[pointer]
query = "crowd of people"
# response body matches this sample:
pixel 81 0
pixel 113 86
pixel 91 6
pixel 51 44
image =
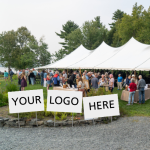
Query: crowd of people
pixel 131 83
pixel 95 81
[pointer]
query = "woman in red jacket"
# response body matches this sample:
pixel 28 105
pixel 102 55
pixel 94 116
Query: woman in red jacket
pixel 132 88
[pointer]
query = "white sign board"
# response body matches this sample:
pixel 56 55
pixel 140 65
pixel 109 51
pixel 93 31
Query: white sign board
pixel 101 106
pixel 26 101
pixel 64 101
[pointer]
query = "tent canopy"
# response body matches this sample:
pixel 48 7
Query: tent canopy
pixel 131 56
pixel 99 55
pixel 80 53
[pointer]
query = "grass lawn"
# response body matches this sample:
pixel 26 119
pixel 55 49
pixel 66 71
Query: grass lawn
pixel 132 110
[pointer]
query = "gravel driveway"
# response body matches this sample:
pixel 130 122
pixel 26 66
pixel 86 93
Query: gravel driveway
pixel 131 133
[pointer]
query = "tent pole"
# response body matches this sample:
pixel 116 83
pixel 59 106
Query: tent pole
pixel 80 71
pixel 135 74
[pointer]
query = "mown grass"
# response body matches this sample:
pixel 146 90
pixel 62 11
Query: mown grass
pixel 135 109
pixel 132 110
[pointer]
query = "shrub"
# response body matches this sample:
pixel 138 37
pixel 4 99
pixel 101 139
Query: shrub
pixel 3 99
pixel 11 86
pixel 100 91
pixel 1 96
pixel 57 118
pixel 74 114
pixel 42 114
pixel 63 116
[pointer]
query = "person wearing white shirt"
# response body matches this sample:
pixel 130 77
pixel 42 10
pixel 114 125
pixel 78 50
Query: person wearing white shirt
pixel 64 74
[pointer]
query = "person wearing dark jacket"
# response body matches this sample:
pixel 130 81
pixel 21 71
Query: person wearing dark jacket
pixel 72 78
pixel 42 77
pixel 128 80
pixel 29 76
pixel 32 76
pixel 56 79
pixel 141 86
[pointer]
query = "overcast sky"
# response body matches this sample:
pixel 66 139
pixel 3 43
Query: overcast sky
pixel 45 17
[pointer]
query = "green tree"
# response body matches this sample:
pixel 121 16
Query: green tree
pixel 94 33
pixel 130 25
pixel 143 34
pixel 117 15
pixel 58 55
pixel 26 56
pixel 44 54
pixel 67 29
pixel 8 45
pixel 74 40
pixel 90 35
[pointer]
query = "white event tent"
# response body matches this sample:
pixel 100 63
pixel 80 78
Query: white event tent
pixel 99 55
pixel 80 53
pixel 131 56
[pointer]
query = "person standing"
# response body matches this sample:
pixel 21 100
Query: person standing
pixel 32 77
pixel 89 78
pixel 48 80
pixel 86 76
pixel 81 86
pixel 135 78
pixel 51 74
pixel 83 77
pixel 99 76
pixel 11 74
pixel 42 77
pixel 111 83
pixel 85 72
pixel 128 80
pixel 23 81
pixel 102 80
pixel 29 76
pixel 95 82
pixel 132 88
pixel 6 75
pixel 56 79
pixel 18 74
pixel 64 74
pixel 35 73
pixel 45 75
pixel 141 86
pixel 119 82
pixel 72 78
pixel 61 79
pixel 26 74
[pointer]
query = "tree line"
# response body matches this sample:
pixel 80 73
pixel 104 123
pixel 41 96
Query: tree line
pixel 93 33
